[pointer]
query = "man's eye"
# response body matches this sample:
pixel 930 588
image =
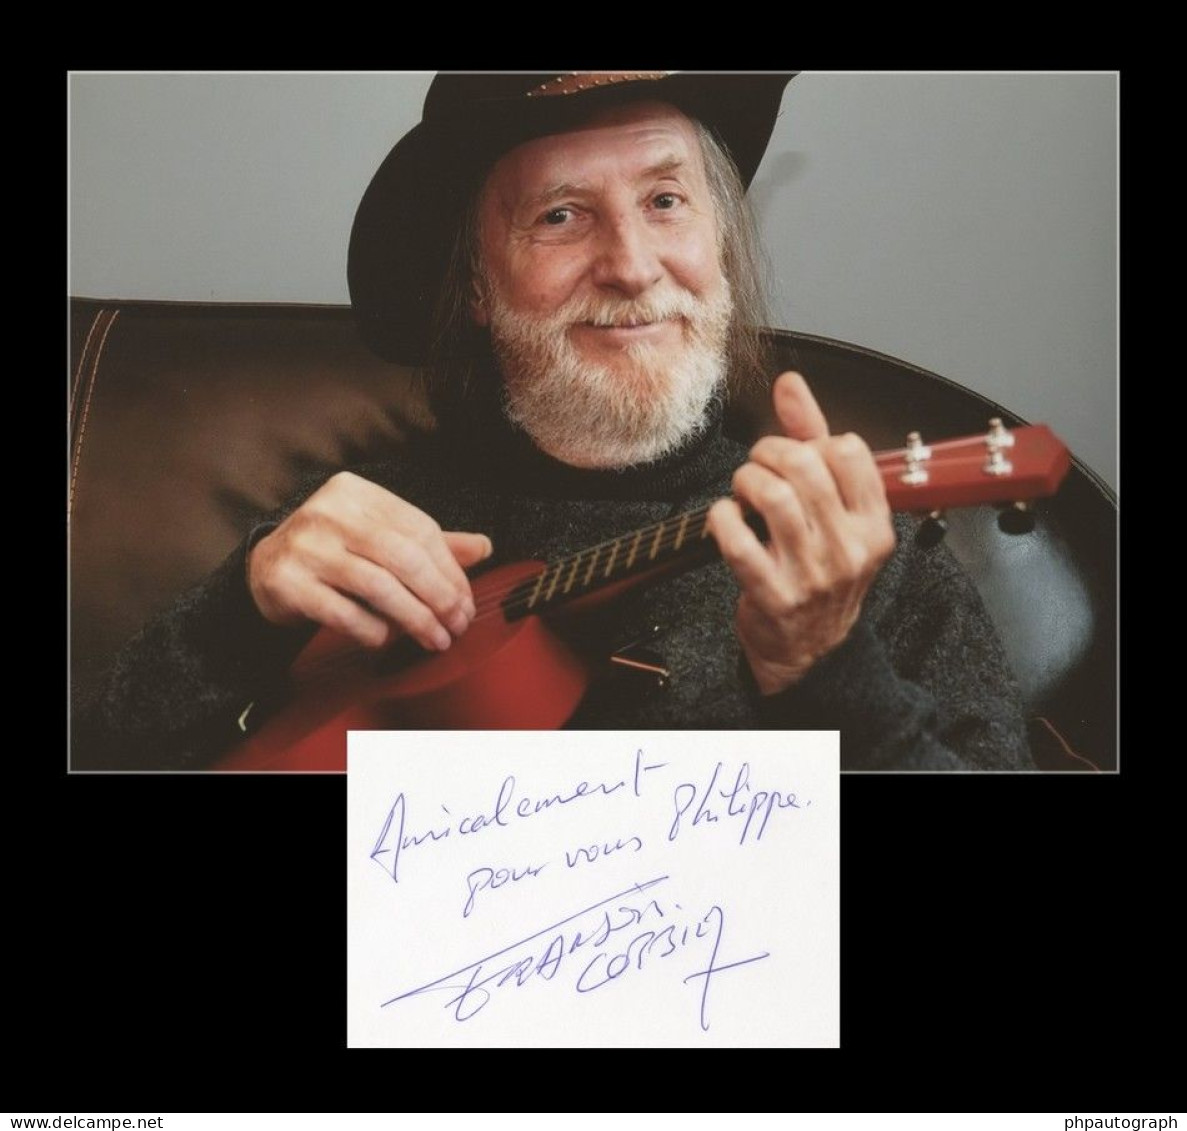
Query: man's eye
pixel 556 216
pixel 666 200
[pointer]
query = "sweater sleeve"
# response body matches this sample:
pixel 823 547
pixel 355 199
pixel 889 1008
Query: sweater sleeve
pixel 921 683
pixel 189 684
pixel 176 694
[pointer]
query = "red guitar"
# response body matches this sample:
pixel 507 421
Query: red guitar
pixel 479 682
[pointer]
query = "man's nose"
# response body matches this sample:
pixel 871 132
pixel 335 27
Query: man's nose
pixel 627 260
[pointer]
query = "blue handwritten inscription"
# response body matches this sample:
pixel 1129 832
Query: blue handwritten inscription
pixel 510 805
pixel 601 851
pixel 754 806
pixel 491 879
pixel 483 879
pixel 616 935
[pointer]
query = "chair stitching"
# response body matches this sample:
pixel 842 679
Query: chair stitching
pixel 1063 742
pixel 82 357
pixel 86 408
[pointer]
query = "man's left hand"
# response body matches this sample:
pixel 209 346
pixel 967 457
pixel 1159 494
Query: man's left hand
pixel 825 507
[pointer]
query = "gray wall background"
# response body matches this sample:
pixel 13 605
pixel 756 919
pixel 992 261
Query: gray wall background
pixel 963 222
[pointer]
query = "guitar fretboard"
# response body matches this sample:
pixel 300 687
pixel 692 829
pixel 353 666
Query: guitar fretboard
pixel 1000 466
pixel 681 538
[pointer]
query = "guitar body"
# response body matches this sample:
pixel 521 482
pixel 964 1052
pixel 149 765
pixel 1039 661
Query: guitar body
pixel 478 683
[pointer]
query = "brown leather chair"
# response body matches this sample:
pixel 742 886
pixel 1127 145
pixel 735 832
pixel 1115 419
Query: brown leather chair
pixel 187 420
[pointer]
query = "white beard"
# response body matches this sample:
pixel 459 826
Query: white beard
pixel 594 415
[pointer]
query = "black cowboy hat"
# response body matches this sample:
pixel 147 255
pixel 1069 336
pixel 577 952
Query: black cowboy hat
pixel 405 227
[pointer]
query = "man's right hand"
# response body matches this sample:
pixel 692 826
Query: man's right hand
pixel 363 562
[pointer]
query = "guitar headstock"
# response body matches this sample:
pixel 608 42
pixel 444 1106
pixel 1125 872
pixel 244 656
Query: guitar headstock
pixel 999 466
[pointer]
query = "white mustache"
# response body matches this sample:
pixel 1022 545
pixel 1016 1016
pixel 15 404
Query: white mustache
pixel 606 311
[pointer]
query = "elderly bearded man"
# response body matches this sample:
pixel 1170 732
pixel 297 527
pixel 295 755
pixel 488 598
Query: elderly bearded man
pixel 570 259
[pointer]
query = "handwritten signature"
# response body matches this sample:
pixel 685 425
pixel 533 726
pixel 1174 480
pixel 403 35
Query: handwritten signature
pixel 601 932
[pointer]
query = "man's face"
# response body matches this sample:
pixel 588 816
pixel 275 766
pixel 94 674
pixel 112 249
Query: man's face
pixel 602 286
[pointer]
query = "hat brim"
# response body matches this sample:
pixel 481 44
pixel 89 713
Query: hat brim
pixel 406 225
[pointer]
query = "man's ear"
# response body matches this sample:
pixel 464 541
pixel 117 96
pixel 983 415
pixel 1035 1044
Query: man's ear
pixel 478 307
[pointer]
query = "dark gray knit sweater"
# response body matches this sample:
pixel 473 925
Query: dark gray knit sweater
pixel 921 683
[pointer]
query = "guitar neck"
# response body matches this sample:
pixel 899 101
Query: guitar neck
pixel 998 467
pixel 679 541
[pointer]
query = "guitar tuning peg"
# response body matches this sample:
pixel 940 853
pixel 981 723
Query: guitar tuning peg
pixel 931 531
pixel 1017 518
pixel 997 440
pixel 998 436
pixel 915 455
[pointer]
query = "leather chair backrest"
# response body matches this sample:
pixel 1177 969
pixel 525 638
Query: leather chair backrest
pixel 189 420
pixel 1052 592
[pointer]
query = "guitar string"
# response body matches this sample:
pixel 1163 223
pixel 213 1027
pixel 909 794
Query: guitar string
pixel 692 532
pixel 496 602
pixel 975 444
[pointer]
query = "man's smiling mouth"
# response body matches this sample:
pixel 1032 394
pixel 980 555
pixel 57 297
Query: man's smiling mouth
pixel 627 325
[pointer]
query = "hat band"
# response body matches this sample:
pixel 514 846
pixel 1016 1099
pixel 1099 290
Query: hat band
pixel 572 83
